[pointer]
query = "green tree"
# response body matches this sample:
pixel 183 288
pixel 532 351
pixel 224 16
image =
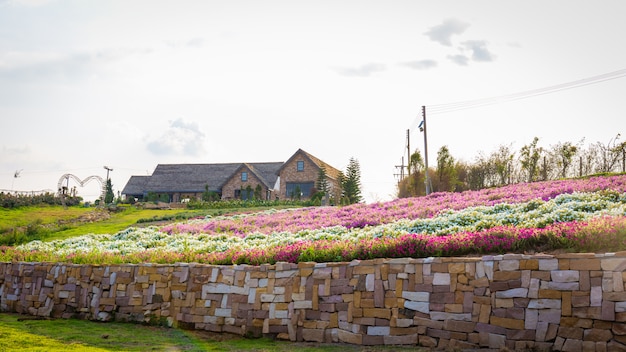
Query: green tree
pixel 529 159
pixel 446 171
pixel 108 194
pixel 209 196
pixel 257 192
pixel 564 154
pixel 322 181
pixel 249 192
pixel 351 183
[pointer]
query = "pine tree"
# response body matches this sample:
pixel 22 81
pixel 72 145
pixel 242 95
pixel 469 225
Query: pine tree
pixel 108 195
pixel 351 183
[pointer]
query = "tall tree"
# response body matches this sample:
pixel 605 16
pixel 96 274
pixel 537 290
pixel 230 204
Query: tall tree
pixel 564 153
pixel 529 159
pixel 108 195
pixel 445 170
pixel 351 183
pixel 322 181
pixel 502 162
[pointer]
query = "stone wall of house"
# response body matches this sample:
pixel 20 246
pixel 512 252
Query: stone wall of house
pixel 235 183
pixel 290 172
pixel 574 302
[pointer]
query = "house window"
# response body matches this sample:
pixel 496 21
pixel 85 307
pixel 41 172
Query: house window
pixel 244 194
pixel 244 176
pixel 300 166
pixel 303 188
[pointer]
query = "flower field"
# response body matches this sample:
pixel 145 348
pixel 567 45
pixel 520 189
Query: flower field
pixel 572 215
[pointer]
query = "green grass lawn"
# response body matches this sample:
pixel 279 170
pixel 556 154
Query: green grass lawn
pixel 56 222
pixel 23 333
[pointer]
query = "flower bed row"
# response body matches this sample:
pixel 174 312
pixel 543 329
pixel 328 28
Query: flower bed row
pixel 572 220
pixel 361 215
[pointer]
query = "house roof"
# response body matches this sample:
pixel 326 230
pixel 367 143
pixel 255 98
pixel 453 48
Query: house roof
pixel 330 171
pixel 194 177
pixel 266 172
pixel 135 185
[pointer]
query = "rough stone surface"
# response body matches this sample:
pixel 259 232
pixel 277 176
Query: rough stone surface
pixel 572 302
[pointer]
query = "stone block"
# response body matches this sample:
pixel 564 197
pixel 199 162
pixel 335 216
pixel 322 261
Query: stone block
pixel 548 264
pixel 613 264
pixel 459 326
pixel 507 323
pixel 349 337
pixel 401 340
pixel 512 293
pixel 433 324
pixel 565 275
pixel 441 279
pixel 559 286
pixel 496 341
pixel 549 316
pixel 596 296
pixel 427 341
pixel 423 307
pixel 378 330
pixel 313 335
pixel 554 294
pixel 570 333
pixel 416 296
pixel 544 303
pixel 571 345
pixel 597 335
pixel 452 316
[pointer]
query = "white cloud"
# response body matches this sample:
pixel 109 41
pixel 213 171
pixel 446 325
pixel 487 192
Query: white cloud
pixel 21 66
pixel 479 50
pixel 363 71
pixel 459 59
pixel 182 138
pixel 420 64
pixel 443 33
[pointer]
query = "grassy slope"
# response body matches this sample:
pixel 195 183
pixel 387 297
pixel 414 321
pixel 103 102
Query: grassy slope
pixel 61 223
pixel 20 333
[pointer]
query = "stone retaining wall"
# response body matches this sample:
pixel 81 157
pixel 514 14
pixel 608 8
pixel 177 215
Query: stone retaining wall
pixel 571 302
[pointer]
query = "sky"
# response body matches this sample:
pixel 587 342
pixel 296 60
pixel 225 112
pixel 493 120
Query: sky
pixel 128 85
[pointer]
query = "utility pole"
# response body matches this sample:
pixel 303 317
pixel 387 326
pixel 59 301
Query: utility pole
pixel 423 129
pixel 408 153
pixel 108 169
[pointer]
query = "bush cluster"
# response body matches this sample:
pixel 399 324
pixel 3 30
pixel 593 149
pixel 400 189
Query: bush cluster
pixel 8 200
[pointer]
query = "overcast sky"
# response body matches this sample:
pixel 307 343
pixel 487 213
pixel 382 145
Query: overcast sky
pixel 132 84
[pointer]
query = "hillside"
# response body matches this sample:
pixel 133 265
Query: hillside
pixel 571 215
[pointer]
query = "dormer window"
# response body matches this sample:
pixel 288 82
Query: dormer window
pixel 300 166
pixel 244 176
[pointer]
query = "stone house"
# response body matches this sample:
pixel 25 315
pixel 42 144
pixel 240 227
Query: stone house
pixel 300 174
pixel 269 180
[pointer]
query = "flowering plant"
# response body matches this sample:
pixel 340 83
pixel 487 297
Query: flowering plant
pixel 576 215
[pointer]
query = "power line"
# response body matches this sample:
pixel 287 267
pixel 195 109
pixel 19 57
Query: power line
pixel 438 109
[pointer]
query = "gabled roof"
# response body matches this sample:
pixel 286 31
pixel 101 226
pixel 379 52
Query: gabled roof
pixel 195 177
pixel 190 177
pixel 265 172
pixel 136 185
pixel 330 171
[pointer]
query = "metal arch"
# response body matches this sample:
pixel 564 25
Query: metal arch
pixel 81 182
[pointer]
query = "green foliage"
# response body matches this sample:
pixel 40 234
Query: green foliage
pixel 446 172
pixel 351 183
pixel 244 204
pixel 529 158
pixel 11 201
pixel 108 196
pixel 19 235
pixel 209 196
